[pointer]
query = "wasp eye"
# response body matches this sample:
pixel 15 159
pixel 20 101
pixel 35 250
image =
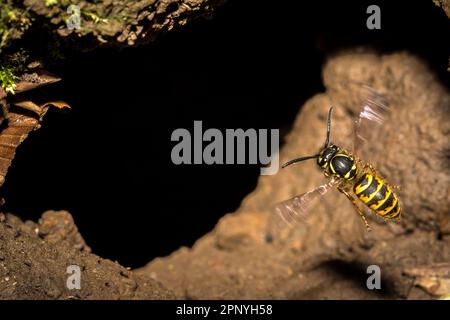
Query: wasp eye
pixel 326 155
pixel 320 161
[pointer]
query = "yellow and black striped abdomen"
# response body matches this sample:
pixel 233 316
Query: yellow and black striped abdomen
pixel 377 195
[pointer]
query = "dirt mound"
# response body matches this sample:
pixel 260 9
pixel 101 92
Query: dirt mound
pixel 34 261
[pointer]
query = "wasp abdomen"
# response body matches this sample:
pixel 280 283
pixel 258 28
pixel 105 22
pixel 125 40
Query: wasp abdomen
pixel 377 195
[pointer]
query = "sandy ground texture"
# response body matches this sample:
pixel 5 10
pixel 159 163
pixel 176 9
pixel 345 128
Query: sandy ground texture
pixel 245 256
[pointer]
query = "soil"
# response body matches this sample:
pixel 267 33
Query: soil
pixel 123 23
pixel 34 258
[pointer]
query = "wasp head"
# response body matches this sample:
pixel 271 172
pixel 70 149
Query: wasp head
pixel 326 155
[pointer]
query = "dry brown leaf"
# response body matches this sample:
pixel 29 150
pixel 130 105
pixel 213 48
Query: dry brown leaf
pixel 30 81
pixel 2 93
pixel 434 286
pixel 19 123
pixel 57 104
pixel 434 279
pixel 28 105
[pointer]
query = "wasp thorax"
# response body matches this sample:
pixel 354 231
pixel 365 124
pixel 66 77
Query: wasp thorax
pixel 326 155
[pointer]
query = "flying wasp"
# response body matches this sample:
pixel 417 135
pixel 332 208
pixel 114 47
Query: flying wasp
pixel 356 179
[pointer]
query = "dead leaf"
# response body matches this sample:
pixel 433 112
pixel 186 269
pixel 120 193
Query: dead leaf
pixel 57 104
pixel 2 93
pixel 434 286
pixel 434 279
pixel 30 81
pixel 28 105
pixel 19 123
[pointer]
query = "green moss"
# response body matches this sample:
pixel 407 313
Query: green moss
pixel 51 3
pixel 93 17
pixel 10 66
pixel 8 79
pixel 14 21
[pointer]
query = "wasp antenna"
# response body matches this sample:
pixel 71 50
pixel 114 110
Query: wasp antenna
pixel 298 160
pixel 327 141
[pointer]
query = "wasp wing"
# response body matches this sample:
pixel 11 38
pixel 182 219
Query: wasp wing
pixel 297 209
pixel 374 111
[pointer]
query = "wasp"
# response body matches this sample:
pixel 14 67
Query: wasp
pixel 367 190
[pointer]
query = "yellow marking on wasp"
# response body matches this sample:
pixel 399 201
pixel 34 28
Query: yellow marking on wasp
pixel 332 168
pixel 375 206
pixel 396 214
pixel 385 211
pixel 355 169
pixel 360 188
pixel 370 196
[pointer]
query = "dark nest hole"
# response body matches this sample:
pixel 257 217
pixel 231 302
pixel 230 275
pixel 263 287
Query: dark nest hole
pixel 336 274
pixel 107 161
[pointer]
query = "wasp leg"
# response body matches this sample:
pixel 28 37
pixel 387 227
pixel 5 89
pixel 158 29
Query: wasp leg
pixel 353 201
pixel 393 186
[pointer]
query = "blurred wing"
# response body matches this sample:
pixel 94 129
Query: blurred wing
pixel 297 209
pixel 373 113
